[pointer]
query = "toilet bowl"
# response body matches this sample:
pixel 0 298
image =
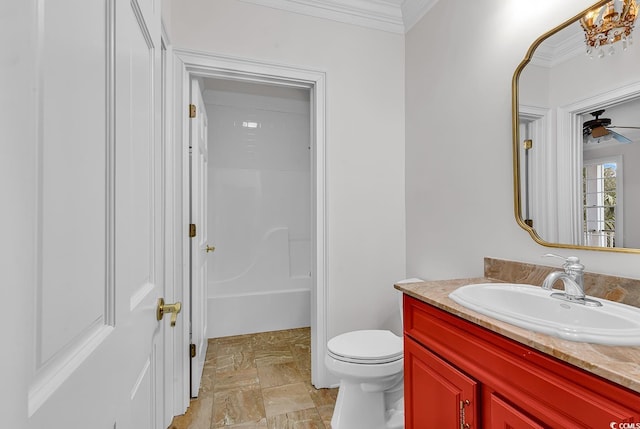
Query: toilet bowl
pixel 369 364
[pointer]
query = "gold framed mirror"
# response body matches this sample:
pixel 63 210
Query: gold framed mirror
pixel 576 132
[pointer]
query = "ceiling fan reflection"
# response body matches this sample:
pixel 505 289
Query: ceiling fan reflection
pixel 600 129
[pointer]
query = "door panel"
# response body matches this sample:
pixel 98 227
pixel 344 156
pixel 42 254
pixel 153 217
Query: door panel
pixel 97 358
pixel 73 223
pixel 199 254
pixel 72 212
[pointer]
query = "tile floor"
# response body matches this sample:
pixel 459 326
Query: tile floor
pixel 259 381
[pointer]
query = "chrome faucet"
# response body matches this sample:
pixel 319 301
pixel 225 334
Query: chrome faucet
pixel 573 279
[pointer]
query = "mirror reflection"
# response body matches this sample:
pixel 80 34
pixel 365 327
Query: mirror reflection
pixel 578 133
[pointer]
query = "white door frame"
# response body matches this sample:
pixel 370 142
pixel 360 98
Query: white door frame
pixel 190 63
pixel 569 129
pixel 542 187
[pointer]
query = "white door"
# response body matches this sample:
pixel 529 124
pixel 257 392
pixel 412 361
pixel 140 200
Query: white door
pixel 94 347
pixel 199 245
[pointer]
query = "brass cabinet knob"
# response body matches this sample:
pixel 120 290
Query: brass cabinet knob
pixel 174 309
pixel 210 248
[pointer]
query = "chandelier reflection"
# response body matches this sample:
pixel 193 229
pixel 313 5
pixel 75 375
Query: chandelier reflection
pixel 609 24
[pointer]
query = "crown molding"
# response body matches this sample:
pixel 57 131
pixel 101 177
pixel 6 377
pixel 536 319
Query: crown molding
pixel 414 10
pixel 395 16
pixel 561 47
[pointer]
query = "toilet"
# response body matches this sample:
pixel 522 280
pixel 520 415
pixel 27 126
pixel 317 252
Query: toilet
pixel 369 364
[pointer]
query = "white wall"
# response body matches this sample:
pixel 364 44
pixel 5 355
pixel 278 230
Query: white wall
pixel 365 138
pixel 534 86
pixel 259 199
pixel 459 184
pixel 581 76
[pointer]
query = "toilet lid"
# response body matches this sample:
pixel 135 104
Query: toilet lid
pixel 372 346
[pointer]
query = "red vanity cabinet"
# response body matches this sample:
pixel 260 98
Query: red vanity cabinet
pixel 461 375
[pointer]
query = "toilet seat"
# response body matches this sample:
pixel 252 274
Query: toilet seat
pixel 366 347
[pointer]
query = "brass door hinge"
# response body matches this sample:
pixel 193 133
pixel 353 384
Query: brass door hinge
pixel 192 110
pixel 192 230
pixel 192 350
pixel 527 144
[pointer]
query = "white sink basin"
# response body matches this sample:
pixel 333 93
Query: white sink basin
pixel 532 308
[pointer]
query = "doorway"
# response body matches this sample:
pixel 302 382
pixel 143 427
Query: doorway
pixel 191 65
pixel 259 207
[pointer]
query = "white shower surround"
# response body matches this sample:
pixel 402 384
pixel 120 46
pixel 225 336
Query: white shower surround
pixel 259 208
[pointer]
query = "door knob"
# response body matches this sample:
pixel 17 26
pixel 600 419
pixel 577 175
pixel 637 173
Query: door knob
pixel 174 309
pixel 210 248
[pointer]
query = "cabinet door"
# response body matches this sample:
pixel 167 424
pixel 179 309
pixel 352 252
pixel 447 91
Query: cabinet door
pixel 437 395
pixel 504 416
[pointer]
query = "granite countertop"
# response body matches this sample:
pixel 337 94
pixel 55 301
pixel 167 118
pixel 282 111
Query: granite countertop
pixel 619 364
